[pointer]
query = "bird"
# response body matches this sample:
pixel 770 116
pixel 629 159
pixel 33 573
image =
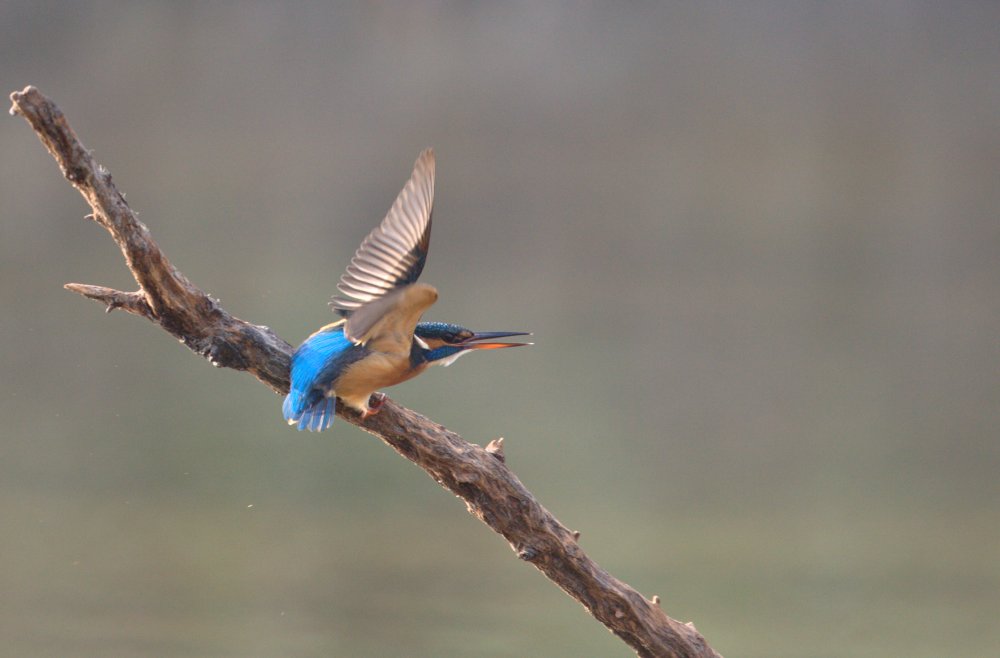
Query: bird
pixel 378 340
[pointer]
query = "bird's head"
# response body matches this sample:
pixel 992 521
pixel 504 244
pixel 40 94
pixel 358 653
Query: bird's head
pixel 443 343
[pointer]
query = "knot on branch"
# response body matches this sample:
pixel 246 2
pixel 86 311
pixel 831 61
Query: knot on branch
pixel 495 448
pixel 222 353
pixel 528 554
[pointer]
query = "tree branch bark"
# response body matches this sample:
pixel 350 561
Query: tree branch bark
pixel 478 475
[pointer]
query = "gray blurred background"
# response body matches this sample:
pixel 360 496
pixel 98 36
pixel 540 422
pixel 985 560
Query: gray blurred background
pixel 757 243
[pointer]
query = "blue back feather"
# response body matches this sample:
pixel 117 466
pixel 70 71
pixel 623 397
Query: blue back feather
pixel 315 365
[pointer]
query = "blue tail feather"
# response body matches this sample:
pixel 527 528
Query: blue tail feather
pixel 318 417
pixel 315 417
pixel 293 406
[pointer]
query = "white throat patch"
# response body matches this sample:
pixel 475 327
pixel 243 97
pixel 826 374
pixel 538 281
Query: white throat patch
pixel 448 360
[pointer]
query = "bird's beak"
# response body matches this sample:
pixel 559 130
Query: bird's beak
pixel 474 344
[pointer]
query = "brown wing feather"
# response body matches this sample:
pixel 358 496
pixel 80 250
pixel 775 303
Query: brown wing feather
pixel 393 255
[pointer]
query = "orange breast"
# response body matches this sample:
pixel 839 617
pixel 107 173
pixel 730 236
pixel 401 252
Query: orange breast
pixel 377 370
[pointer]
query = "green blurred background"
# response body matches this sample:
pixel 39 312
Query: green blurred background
pixel 758 244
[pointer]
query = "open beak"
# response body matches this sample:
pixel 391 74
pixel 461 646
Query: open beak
pixel 474 344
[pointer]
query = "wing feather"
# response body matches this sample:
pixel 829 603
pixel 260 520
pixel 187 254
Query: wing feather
pixel 387 323
pixel 392 255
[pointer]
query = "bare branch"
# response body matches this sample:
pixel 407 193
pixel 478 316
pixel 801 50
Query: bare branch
pixel 479 475
pixel 165 295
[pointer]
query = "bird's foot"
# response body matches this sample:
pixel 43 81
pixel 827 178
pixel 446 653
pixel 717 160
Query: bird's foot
pixel 375 405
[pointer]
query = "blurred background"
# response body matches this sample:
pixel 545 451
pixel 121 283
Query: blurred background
pixel 757 243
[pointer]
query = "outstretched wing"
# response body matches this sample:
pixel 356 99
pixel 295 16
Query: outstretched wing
pixel 393 255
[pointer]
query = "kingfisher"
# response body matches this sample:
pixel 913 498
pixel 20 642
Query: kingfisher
pixel 379 340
